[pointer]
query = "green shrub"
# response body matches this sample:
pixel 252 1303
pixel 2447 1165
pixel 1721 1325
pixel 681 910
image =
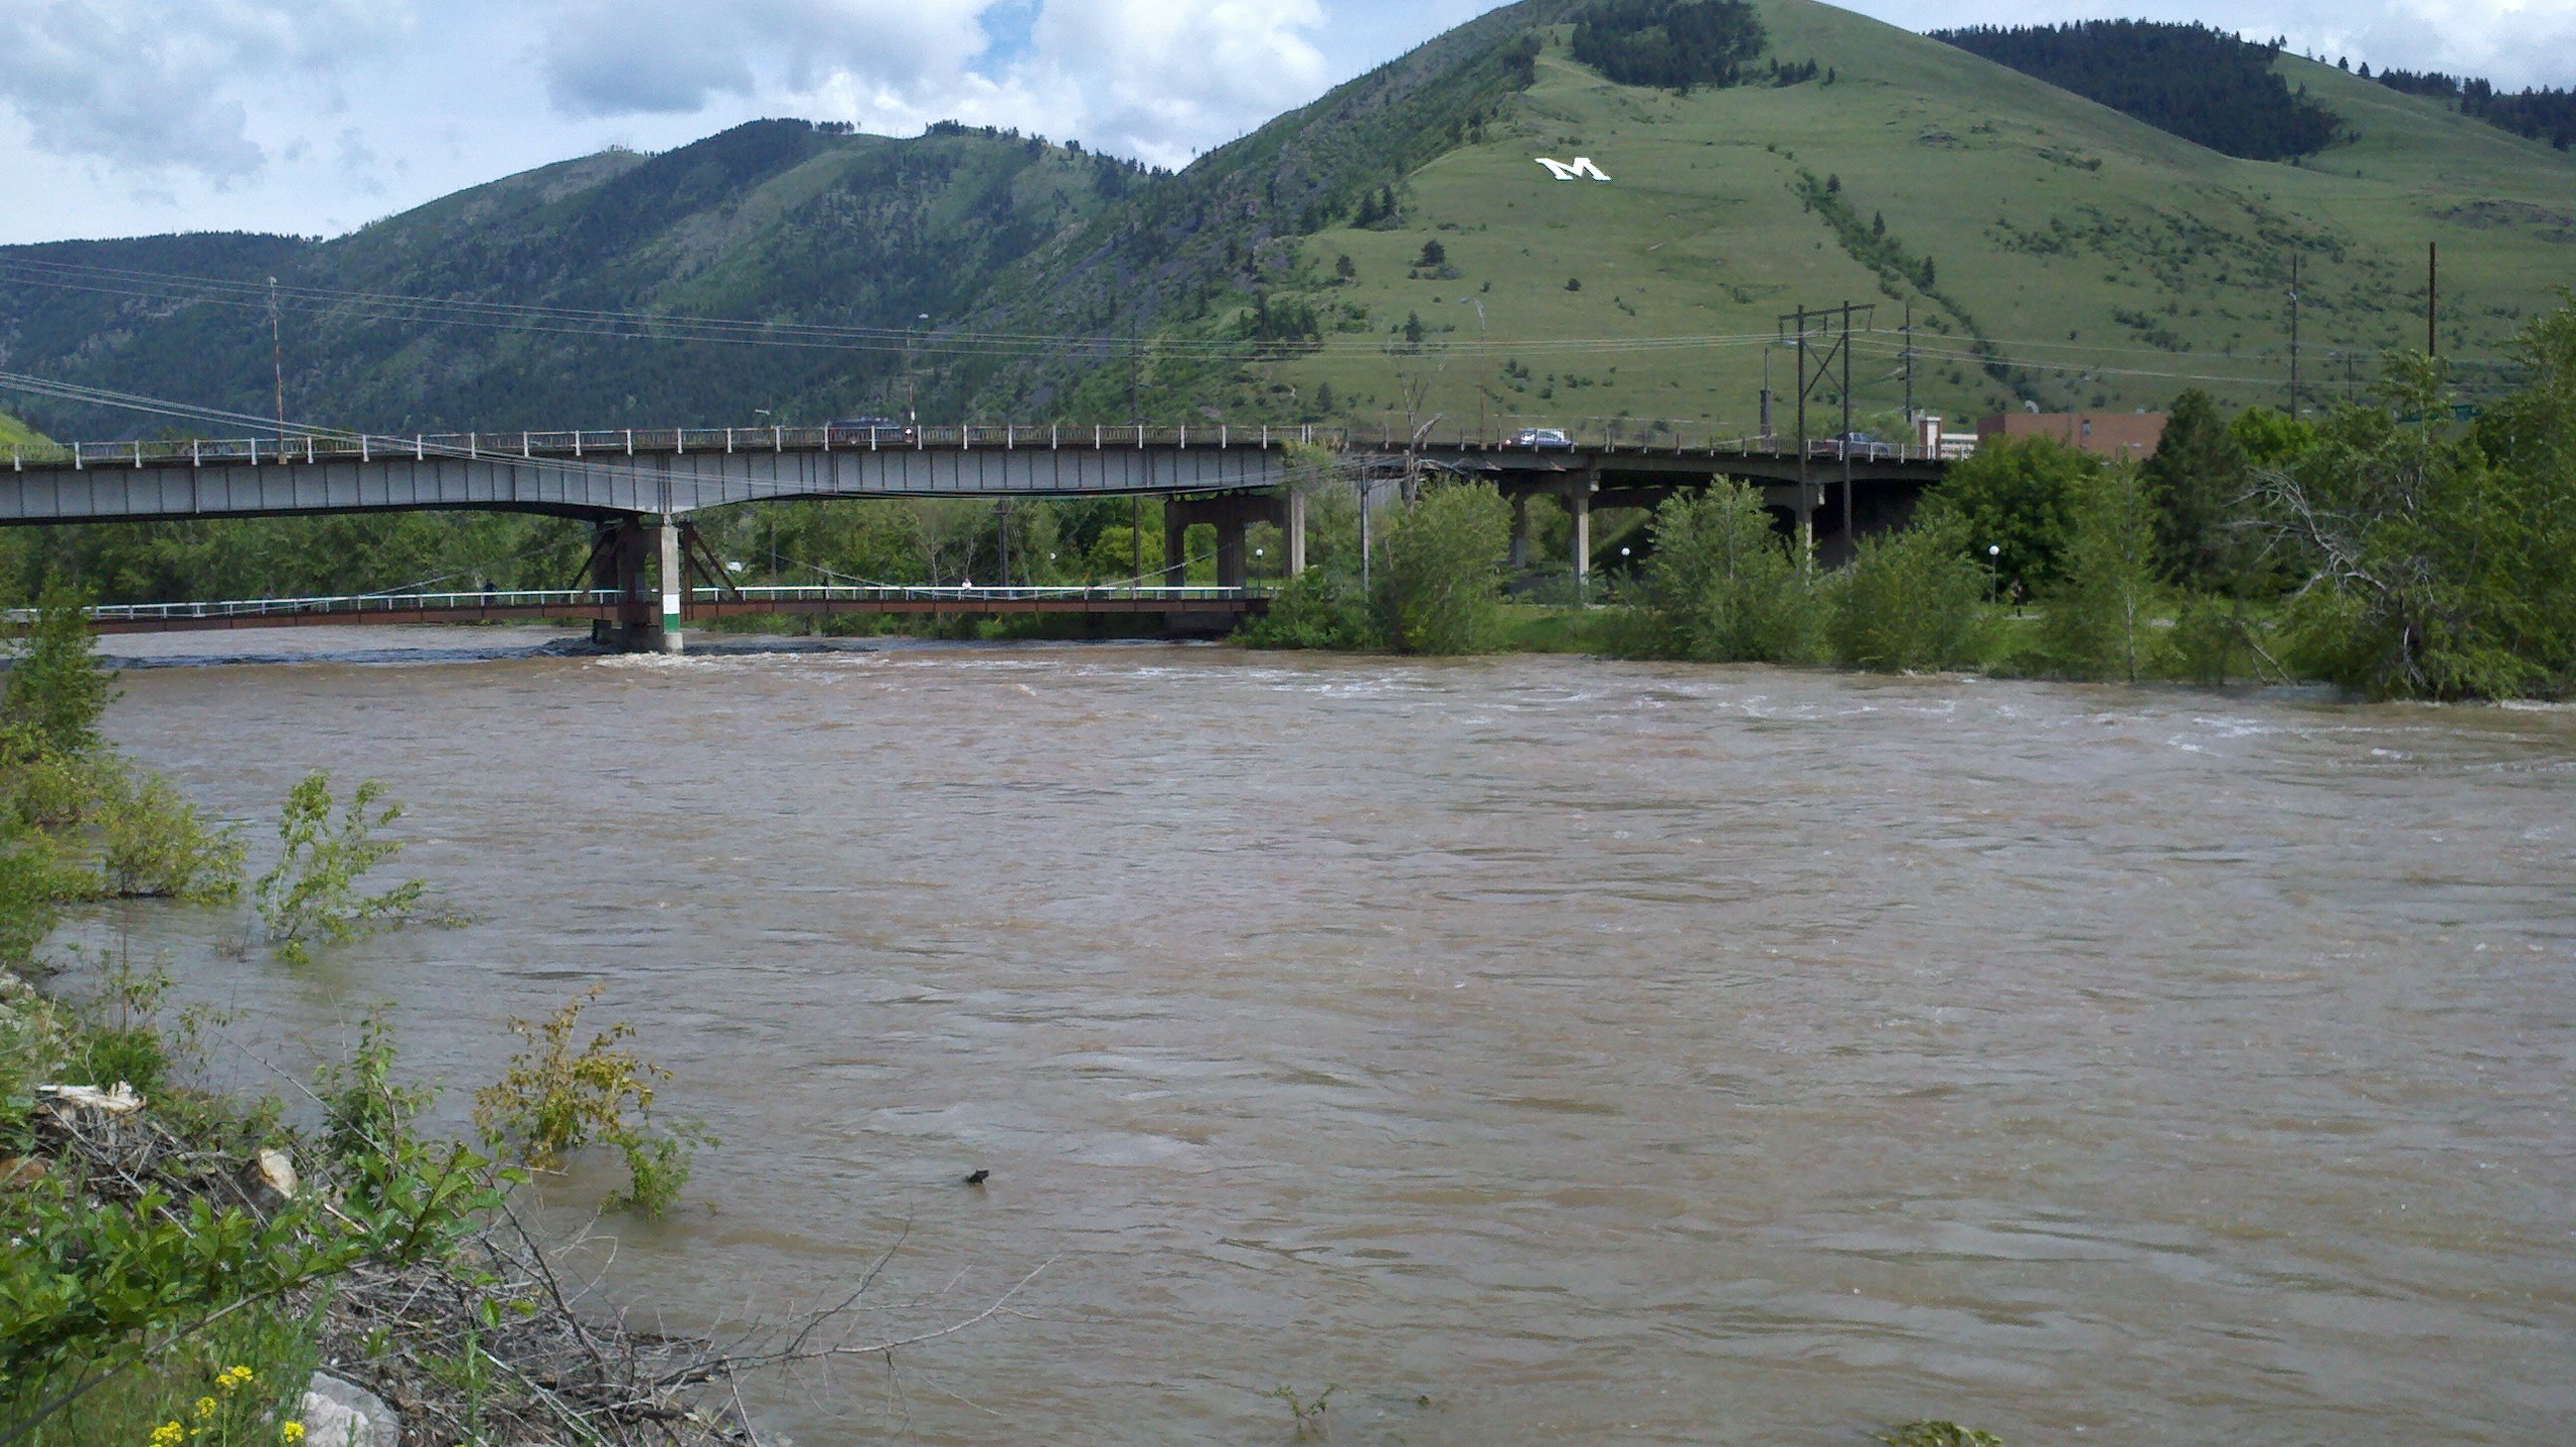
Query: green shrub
pixel 1720 585
pixel 313 891
pixel 1909 601
pixel 554 1100
pixel 154 844
pixel 56 690
pixel 1439 574
pixel 2094 622
pixel 1312 610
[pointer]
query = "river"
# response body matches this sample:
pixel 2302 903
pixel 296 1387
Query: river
pixel 1536 1049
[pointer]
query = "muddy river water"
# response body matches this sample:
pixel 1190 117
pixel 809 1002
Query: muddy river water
pixel 1535 1049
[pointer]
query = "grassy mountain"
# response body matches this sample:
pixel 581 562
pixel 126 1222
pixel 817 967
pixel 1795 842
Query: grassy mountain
pixel 2054 250
pixel 779 221
pixel 1332 264
pixel 12 430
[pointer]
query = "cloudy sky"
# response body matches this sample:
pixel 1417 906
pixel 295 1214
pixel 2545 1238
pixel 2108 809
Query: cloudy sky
pixel 124 117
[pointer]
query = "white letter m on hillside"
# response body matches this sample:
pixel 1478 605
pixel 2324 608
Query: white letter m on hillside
pixel 1582 166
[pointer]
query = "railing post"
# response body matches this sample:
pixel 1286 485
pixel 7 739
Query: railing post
pixel 728 441
pixel 364 452
pixel 576 442
pixel 524 450
pixel 76 457
pixel 630 442
pixel 196 456
pixel 138 452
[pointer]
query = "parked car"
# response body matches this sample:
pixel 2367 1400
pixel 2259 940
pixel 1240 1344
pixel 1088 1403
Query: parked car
pixel 862 430
pixel 1541 437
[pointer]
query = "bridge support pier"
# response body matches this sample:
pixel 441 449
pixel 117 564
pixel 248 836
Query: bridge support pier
pixel 629 563
pixel 1296 531
pixel 1520 531
pixel 675 581
pixel 1578 506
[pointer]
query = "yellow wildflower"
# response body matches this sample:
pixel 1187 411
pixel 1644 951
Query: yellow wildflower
pixel 234 1378
pixel 290 1432
pixel 205 1408
pixel 168 1434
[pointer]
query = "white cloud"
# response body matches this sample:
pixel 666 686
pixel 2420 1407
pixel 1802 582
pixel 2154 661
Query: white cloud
pixel 624 57
pixel 149 86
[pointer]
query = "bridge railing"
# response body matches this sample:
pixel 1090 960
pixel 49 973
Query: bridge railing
pixel 974 593
pixel 356 604
pixel 558 446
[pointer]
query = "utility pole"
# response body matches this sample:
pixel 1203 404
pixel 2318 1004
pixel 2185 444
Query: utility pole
pixel 1806 501
pixel 1135 377
pixel 1850 537
pixel 2294 335
pixel 277 361
pixel 1909 364
pixel 2432 298
pixel 1809 377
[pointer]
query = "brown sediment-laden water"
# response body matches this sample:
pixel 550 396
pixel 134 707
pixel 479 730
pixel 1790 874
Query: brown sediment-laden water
pixel 1535 1049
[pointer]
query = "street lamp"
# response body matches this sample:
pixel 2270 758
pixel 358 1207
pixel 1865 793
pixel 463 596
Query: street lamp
pixel 1994 571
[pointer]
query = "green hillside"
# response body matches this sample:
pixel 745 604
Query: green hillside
pixel 776 221
pixel 2109 264
pixel 2055 252
pixel 14 431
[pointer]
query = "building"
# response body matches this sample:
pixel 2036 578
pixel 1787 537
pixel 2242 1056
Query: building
pixel 2132 435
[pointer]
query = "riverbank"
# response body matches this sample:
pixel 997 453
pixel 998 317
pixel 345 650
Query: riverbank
pixel 188 1266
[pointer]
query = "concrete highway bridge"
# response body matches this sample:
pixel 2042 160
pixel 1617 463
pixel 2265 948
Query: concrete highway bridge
pixel 639 489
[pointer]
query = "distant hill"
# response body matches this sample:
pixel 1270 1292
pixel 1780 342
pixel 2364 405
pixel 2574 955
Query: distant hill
pixel 529 301
pixel 2541 113
pixel 12 430
pixel 1393 249
pixel 2214 89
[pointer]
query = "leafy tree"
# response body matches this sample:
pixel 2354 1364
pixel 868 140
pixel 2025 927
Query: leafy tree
pixel 313 891
pixel 2198 481
pixel 1433 254
pixel 2015 494
pixel 1439 578
pixel 2436 563
pixel 2096 619
pixel 56 690
pixel 1720 585
pixel 1909 601
pixel 2271 439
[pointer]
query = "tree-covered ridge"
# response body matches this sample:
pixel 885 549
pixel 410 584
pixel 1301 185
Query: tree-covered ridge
pixel 1674 44
pixel 2542 114
pixel 2206 86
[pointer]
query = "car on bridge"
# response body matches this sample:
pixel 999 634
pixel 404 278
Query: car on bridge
pixel 1860 445
pixel 1541 437
pixel 869 430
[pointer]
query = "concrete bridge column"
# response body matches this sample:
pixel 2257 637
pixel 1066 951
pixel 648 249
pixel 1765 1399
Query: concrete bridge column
pixel 617 566
pixel 1296 531
pixel 1233 562
pixel 1578 505
pixel 1520 531
pixel 675 582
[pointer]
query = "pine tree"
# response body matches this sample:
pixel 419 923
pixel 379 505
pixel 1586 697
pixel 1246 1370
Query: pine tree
pixel 2195 482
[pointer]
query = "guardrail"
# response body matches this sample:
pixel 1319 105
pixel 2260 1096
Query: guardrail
pixel 316 448
pixel 1610 437
pixel 361 605
pixel 354 604
pixel 904 593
